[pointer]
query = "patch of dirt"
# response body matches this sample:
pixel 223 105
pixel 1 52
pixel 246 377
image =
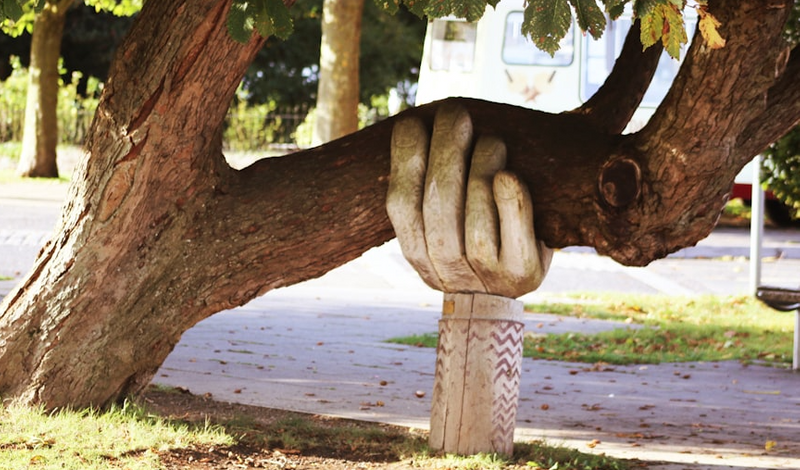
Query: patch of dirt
pixel 261 445
pixel 269 438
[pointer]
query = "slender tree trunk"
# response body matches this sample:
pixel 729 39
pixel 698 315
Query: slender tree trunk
pixel 338 90
pixel 159 233
pixel 40 132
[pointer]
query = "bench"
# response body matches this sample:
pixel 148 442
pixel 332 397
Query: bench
pixel 784 300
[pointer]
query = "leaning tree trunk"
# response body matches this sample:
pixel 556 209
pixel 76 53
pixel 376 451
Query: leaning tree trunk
pixel 338 90
pixel 159 233
pixel 40 131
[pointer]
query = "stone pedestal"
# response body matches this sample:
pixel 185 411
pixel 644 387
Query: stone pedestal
pixel 478 365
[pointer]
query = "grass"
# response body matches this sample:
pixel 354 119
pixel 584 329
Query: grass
pixel 130 437
pixel 670 329
pixel 535 455
pixel 9 175
pixel 737 208
pixel 9 158
pixel 124 437
pixel 10 150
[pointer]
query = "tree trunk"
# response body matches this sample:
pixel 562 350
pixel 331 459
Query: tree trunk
pixel 40 132
pixel 338 90
pixel 160 233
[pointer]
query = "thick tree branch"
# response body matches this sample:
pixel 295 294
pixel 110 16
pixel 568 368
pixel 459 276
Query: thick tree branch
pixel 349 199
pixel 613 105
pixel 781 114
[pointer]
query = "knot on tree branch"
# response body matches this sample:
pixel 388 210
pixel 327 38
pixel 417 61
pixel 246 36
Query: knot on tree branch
pixel 620 182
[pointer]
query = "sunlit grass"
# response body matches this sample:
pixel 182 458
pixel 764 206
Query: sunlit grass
pixel 9 158
pixel 123 437
pixel 737 208
pixel 662 329
pixel 9 175
pixel 10 150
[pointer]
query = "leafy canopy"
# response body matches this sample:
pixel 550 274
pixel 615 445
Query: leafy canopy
pixel 17 16
pixel 546 22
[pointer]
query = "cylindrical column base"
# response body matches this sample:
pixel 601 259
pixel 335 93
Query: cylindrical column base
pixel 478 365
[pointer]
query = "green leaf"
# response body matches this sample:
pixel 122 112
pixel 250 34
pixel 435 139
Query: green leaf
pixel 675 36
pixel 267 17
pixel 471 10
pixel 12 10
pixel 590 18
pixel 651 27
pixel 272 18
pixel 282 19
pixel 240 24
pixel 615 8
pixel 664 23
pixel 116 7
pixel 546 22
pixel 417 7
pixel 391 6
pixel 642 8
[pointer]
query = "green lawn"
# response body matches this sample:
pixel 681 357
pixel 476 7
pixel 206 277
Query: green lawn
pixel 662 329
pixel 121 438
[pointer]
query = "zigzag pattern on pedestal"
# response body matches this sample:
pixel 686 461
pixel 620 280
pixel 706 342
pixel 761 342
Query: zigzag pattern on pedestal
pixel 506 346
pixel 444 351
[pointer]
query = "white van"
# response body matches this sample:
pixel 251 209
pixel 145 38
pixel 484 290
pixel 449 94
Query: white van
pixel 492 60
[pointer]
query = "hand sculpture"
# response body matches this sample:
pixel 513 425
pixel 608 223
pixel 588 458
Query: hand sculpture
pixel 462 234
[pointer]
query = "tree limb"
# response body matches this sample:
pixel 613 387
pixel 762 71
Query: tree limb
pixel 613 105
pixel 781 113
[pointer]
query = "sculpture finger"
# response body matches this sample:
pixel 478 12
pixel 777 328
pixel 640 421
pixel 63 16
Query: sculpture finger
pixel 444 199
pixel 409 151
pixel 482 226
pixel 524 260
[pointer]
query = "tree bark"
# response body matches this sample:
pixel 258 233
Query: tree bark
pixel 159 233
pixel 338 89
pixel 40 131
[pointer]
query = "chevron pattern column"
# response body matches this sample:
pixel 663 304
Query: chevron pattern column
pixel 478 364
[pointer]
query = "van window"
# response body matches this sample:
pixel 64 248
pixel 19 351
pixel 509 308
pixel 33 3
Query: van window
pixel 453 45
pixel 600 55
pixel 518 49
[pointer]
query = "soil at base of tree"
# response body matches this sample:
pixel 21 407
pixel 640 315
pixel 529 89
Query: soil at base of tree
pixel 258 448
pixel 260 445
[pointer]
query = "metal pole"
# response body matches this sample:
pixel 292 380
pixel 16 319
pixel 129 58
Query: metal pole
pixel 796 347
pixel 756 226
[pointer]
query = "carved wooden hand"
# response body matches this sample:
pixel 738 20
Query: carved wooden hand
pixel 462 233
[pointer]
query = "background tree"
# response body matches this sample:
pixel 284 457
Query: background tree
pixel 338 89
pixel 287 71
pixel 781 167
pixel 159 232
pixel 40 133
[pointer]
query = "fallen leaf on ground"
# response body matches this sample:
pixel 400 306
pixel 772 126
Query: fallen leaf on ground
pixel 769 445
